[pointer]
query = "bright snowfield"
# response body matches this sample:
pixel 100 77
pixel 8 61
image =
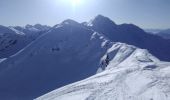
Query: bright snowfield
pixel 132 74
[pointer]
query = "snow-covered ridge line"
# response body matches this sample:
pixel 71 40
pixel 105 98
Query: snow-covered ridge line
pixel 70 52
pixel 140 76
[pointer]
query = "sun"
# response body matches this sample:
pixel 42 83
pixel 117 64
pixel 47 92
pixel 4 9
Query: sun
pixel 76 2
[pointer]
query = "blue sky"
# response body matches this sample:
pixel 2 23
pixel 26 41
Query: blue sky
pixel 144 13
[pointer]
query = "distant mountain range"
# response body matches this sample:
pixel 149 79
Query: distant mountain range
pixel 125 33
pixel 163 33
pixel 13 39
pixel 38 59
pixel 153 31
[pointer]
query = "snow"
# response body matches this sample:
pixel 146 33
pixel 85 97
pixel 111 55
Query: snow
pixel 71 96
pixel 80 62
pixel 132 35
pixel 125 78
pixel 1 60
pixel 4 29
pixel 61 56
pixel 16 31
pixel 118 84
pixel 13 39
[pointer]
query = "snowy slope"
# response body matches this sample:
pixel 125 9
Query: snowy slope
pixel 71 52
pixel 67 53
pixel 13 39
pixel 132 74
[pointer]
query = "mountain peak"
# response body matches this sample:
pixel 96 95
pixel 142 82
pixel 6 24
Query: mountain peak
pixel 69 22
pixel 102 19
pixel 28 26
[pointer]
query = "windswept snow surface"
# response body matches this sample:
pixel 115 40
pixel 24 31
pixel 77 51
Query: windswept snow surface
pixel 133 74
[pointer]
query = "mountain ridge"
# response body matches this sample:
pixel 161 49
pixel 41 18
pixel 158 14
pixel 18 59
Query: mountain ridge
pixel 15 38
pixel 133 35
pixel 70 52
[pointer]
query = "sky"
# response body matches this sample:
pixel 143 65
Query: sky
pixel 146 14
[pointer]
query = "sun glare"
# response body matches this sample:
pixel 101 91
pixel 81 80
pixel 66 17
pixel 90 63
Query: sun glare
pixel 75 2
pixel 72 5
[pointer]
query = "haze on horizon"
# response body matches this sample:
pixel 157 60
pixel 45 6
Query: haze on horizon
pixel 144 13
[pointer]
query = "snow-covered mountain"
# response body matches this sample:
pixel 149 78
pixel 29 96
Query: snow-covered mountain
pixel 33 30
pixel 13 39
pixel 67 53
pixel 70 52
pixel 132 74
pixel 131 34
